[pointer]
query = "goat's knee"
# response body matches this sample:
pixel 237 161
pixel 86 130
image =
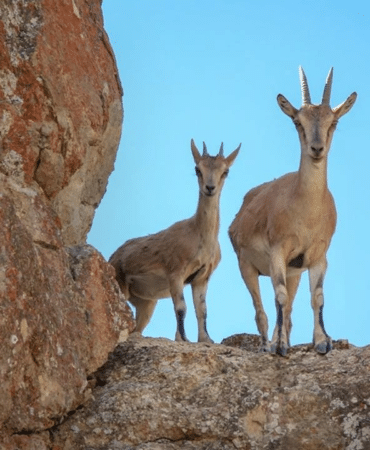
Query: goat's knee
pixel 180 312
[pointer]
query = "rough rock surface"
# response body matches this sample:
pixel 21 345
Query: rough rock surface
pixel 61 114
pixel 61 312
pixel 161 395
pixel 61 316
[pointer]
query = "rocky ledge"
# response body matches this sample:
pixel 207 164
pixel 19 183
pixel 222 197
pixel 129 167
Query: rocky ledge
pixel 162 395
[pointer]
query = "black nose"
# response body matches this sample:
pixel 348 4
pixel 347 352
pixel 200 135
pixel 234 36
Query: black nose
pixel 210 189
pixel 317 150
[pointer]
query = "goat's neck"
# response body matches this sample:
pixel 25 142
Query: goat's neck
pixel 312 179
pixel 207 216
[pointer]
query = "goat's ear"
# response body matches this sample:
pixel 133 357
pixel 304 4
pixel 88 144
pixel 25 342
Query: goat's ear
pixel 195 152
pixel 231 158
pixel 344 107
pixel 286 106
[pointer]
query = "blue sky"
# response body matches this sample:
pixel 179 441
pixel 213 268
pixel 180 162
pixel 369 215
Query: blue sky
pixel 211 71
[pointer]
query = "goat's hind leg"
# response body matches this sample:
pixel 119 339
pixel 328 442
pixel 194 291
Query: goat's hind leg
pixel 250 276
pixel 199 299
pixel 144 311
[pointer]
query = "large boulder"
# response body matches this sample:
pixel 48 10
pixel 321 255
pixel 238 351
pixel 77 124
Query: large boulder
pixel 61 311
pixel 61 104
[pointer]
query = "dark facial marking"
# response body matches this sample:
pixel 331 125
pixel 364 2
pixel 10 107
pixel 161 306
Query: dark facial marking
pixel 297 262
pixel 316 133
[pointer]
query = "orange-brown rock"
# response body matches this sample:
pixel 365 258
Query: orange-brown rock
pixel 61 104
pixel 61 312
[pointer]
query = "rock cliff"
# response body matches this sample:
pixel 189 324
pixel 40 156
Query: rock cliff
pixel 60 124
pixel 61 105
pixel 70 378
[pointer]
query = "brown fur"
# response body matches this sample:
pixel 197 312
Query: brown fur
pixel 157 266
pixel 289 222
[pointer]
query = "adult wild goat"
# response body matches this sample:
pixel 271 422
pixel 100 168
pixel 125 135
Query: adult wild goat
pixel 159 265
pixel 285 226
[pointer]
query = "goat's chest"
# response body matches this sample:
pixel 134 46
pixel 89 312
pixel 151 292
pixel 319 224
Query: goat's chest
pixel 309 241
pixel 302 233
pixel 204 262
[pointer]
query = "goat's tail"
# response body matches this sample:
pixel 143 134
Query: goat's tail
pixel 121 279
pixel 120 275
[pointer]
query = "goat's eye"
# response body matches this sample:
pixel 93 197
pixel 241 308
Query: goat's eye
pixel 198 172
pixel 332 127
pixel 297 123
pixel 225 174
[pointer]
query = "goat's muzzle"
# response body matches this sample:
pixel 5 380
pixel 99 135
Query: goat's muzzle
pixel 210 190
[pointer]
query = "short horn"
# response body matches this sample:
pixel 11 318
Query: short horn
pixel 205 152
pixel 221 152
pixel 306 98
pixel 327 89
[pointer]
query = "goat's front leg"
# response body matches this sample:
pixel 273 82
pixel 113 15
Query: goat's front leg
pixel 250 277
pixel 321 340
pixel 292 284
pixel 199 291
pixel 179 304
pixel 280 338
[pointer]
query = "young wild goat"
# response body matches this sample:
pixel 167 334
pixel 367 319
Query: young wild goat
pixel 159 265
pixel 285 226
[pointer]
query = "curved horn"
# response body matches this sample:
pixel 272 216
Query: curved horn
pixel 327 88
pixel 221 151
pixel 205 152
pixel 306 98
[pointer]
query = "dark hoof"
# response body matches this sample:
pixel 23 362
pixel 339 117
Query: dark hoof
pixel 324 347
pixel 281 350
pixel 265 348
